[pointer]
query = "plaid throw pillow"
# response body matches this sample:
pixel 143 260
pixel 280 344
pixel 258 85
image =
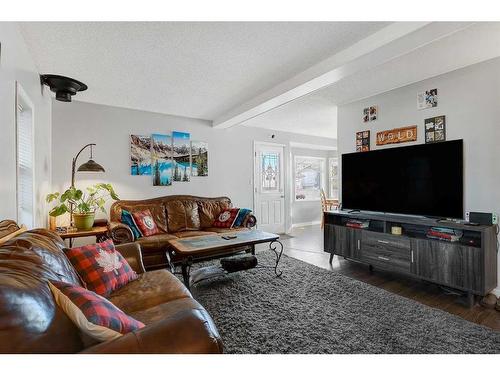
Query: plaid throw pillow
pixel 91 313
pixel 101 267
pixel 145 222
pixel 226 218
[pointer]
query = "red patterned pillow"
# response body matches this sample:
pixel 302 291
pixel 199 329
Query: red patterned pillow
pixel 101 267
pixel 145 222
pixel 91 313
pixel 226 218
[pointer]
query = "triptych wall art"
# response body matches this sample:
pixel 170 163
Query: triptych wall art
pixel 168 157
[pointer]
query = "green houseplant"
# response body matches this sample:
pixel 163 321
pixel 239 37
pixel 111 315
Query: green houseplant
pixel 83 205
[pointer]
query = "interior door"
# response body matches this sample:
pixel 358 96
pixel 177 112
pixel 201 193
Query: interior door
pixel 269 198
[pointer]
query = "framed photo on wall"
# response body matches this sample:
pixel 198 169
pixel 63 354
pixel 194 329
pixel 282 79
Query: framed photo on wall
pixel 363 141
pixel 435 129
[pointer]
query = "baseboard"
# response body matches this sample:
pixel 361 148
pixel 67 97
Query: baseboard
pixel 308 223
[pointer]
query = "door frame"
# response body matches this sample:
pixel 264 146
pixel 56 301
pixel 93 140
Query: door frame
pixel 286 193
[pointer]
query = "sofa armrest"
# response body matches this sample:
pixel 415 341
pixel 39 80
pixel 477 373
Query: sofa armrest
pixel 132 253
pixel 250 221
pixel 189 331
pixel 120 233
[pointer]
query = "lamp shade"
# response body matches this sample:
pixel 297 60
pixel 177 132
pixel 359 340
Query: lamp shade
pixel 90 166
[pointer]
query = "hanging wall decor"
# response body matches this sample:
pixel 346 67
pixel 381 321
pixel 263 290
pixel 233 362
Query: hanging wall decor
pixel 363 141
pixel 399 135
pixel 370 113
pixel 140 155
pixel 199 158
pixel 435 129
pixel 182 156
pixel 427 99
pixel 161 159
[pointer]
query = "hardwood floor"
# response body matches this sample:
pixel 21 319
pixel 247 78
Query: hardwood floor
pixel 306 244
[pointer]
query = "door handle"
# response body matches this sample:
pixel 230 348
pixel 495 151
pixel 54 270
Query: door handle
pixel 359 244
pixel 384 242
pixel 383 258
pixel 282 196
pixel 412 256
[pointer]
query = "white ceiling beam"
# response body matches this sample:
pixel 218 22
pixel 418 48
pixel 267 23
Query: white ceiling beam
pixel 387 44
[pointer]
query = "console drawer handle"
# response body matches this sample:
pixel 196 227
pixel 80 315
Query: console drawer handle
pixel 385 242
pixel 383 258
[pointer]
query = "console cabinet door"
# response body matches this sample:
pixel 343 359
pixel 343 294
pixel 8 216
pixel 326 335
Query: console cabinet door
pixel 347 241
pixel 451 264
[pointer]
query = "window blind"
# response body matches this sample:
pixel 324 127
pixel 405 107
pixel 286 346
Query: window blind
pixel 25 165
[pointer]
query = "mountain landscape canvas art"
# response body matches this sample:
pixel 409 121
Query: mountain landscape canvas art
pixel 161 159
pixel 140 155
pixel 199 159
pixel 181 156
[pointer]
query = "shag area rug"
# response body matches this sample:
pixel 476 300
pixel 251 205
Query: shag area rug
pixel 312 310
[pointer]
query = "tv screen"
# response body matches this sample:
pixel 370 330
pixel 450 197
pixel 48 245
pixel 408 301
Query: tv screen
pixel 415 180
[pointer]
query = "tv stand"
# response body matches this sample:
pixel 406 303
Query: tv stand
pixel 469 266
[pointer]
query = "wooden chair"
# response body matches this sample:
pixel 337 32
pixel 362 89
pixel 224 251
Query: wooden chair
pixel 327 205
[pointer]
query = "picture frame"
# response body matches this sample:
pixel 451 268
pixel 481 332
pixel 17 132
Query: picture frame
pixel 363 141
pixel 435 129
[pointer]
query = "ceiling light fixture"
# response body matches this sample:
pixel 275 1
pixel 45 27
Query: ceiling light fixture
pixel 64 87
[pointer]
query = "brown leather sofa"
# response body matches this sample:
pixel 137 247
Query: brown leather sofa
pixel 31 322
pixel 176 216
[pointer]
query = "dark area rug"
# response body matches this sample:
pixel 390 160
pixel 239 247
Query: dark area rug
pixel 312 310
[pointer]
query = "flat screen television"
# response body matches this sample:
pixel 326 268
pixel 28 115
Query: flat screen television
pixel 424 180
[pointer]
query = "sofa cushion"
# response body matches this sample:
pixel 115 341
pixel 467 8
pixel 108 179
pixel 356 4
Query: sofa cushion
pixel 27 262
pixel 194 233
pixel 157 210
pixel 226 218
pixel 144 220
pixel 155 243
pixel 128 220
pixel 150 289
pixel 182 215
pixel 159 312
pixel 209 210
pixel 101 267
pixel 92 314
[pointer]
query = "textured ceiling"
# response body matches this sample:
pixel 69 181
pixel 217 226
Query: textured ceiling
pixel 190 69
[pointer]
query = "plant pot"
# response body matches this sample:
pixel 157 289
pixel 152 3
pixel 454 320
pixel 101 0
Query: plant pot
pixel 84 221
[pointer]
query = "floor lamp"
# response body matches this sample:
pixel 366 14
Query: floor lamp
pixel 89 166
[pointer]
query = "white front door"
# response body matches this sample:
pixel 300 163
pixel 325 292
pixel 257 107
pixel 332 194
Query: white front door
pixel 269 201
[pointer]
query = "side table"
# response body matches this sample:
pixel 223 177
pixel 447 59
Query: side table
pixel 100 234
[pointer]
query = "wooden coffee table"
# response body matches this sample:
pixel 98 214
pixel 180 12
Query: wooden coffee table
pixel 190 250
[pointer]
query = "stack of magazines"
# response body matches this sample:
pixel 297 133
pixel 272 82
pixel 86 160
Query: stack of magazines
pixel 444 234
pixel 361 224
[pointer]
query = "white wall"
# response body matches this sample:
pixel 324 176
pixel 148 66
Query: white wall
pixel 16 64
pixel 230 150
pixel 304 212
pixel 470 100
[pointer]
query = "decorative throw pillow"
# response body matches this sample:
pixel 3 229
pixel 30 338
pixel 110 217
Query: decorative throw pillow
pixel 128 220
pixel 91 313
pixel 242 214
pixel 145 222
pixel 226 218
pixel 101 267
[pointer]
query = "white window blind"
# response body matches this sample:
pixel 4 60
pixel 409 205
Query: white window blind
pixel 25 207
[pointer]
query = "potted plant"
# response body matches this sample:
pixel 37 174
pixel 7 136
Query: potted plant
pixel 84 205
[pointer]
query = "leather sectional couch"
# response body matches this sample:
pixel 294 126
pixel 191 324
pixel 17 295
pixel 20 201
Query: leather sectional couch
pixel 31 322
pixel 176 216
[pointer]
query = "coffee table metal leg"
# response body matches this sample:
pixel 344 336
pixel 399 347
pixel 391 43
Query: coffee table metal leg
pixel 186 268
pixel 273 246
pixel 169 260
